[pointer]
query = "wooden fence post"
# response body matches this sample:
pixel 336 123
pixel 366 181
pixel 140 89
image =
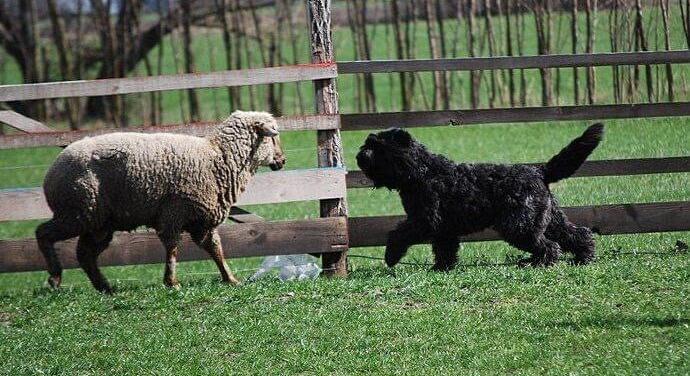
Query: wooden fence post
pixel 329 148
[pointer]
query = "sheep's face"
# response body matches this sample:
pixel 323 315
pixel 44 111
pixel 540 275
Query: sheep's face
pixel 269 152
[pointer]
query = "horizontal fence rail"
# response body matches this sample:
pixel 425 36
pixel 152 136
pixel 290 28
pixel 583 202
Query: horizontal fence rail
pixel 115 86
pixel 364 121
pixel 286 123
pixel 613 167
pixel 330 234
pixel 270 187
pixel 320 235
pixel 603 219
pixel 515 62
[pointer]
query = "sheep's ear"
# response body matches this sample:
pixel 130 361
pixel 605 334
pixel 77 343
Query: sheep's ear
pixel 265 130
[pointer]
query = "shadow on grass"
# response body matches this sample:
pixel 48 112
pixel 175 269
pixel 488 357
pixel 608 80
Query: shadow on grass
pixel 620 322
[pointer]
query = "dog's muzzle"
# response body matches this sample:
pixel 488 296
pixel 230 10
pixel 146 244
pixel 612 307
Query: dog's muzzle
pixel 364 158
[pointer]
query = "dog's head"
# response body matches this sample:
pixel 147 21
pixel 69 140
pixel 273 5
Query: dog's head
pixel 389 158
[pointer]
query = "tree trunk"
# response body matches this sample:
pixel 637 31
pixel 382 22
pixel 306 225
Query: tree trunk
pixel 330 148
pixel 360 12
pixel 574 31
pixel 293 43
pixel 590 10
pixel 440 100
pixel 221 10
pixel 542 25
pixel 475 78
pixel 508 12
pixel 111 104
pixel 29 49
pixel 667 45
pixel 642 39
pixel 614 32
pixel 71 104
pixel 189 57
pixel 400 54
pixel 492 49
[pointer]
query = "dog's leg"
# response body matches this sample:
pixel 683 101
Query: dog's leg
pixel 544 252
pixel 445 253
pixel 572 238
pixel 399 241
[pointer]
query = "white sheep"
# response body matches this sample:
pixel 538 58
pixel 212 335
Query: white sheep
pixel 169 182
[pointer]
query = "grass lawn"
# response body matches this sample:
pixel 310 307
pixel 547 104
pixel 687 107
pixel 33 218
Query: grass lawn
pixel 627 313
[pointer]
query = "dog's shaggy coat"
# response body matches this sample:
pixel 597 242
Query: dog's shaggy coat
pixel 444 200
pixel 170 182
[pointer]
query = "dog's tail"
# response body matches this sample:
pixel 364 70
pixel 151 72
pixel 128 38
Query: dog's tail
pixel 565 163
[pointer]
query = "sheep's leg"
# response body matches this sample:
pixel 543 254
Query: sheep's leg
pixel 210 241
pixel 47 234
pixel 89 247
pixel 171 242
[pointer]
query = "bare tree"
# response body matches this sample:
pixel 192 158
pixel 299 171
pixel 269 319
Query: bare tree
pixel 189 56
pixel 491 44
pixel 475 77
pixel 440 89
pixel 590 10
pixel 667 45
pixel 574 33
pixel 19 39
pixel 66 70
pixel 221 14
pixel 542 16
pixel 641 42
pixel 405 96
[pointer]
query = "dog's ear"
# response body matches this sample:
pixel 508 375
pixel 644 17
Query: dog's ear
pixel 401 137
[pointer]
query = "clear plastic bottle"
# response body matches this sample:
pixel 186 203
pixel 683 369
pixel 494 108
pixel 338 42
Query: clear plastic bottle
pixel 288 268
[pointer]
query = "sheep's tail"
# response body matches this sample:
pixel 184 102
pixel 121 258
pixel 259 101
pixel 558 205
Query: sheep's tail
pixel 568 160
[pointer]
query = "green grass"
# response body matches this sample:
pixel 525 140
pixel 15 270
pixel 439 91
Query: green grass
pixel 627 313
pixel 624 314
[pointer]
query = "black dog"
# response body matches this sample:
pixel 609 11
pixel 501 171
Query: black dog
pixel 444 200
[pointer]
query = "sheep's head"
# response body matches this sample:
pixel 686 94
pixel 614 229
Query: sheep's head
pixel 264 125
pixel 272 152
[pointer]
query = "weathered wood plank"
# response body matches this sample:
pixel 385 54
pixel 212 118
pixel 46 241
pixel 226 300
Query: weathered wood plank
pixel 603 219
pixel 271 187
pixel 614 167
pixel 355 122
pixel 515 62
pixel 319 235
pixel 23 123
pixel 115 86
pixel 287 123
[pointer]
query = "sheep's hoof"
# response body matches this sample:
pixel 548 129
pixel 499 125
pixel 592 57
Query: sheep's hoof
pixel 54 281
pixel 232 281
pixel 106 290
pixel 172 284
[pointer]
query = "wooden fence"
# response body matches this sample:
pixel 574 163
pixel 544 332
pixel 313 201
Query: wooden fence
pixel 335 233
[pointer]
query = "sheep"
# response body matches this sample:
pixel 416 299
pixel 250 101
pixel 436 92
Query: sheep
pixel 169 182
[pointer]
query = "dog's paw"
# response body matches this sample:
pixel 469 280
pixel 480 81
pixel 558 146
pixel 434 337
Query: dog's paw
pixel 392 258
pixel 442 268
pixel 526 262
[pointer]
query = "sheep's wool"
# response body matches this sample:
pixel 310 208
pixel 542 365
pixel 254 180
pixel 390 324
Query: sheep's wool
pixel 126 180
